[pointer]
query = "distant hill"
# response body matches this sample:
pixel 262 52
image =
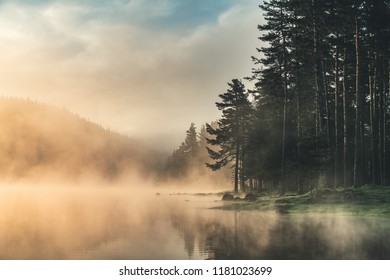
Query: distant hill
pixel 38 140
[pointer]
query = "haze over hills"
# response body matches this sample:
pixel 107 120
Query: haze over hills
pixel 39 141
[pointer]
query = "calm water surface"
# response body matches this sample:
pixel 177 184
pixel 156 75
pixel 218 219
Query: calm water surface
pixel 87 223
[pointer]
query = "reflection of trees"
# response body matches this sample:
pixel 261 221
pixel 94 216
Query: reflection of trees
pixel 227 236
pixel 185 229
pixel 246 235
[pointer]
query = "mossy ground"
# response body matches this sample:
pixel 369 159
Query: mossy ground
pixel 364 201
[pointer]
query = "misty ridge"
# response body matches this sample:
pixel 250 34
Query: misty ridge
pixel 39 142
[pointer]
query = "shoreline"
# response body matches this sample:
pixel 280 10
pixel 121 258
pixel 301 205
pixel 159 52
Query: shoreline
pixel 365 201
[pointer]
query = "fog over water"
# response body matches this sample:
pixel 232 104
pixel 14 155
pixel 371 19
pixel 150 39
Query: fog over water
pixel 86 223
pixel 132 223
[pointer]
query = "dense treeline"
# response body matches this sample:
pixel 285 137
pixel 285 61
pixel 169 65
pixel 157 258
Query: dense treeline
pixel 188 161
pixel 187 155
pixel 321 108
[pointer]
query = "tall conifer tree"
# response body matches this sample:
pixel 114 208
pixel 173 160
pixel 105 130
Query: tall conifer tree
pixel 231 134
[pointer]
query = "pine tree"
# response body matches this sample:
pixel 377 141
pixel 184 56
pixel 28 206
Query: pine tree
pixel 182 159
pixel 231 134
pixel 191 145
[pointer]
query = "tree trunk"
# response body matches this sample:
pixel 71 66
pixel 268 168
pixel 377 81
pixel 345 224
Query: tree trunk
pixel 298 134
pixel 328 109
pixel 285 89
pixel 357 182
pixel 336 122
pixel 236 166
pixel 242 172
pixel 373 126
pixel 346 164
pixel 320 89
pixel 284 134
pixel 386 85
pixel 384 147
pixel 381 120
pixel 329 128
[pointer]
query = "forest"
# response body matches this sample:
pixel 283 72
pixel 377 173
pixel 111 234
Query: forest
pixel 43 142
pixel 318 113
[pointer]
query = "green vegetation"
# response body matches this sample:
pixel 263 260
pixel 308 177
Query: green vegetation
pixel 364 201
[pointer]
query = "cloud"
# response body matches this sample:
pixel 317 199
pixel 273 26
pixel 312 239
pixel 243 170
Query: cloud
pixel 128 74
pixel 152 9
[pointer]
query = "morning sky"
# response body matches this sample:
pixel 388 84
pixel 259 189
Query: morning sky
pixel 145 68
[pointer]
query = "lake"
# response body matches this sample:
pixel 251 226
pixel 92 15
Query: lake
pixel 120 223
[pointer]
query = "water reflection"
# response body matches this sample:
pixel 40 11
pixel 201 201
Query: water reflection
pixel 267 235
pixel 123 224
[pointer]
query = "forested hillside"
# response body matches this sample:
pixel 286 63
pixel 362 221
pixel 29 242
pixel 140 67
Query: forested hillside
pixel 38 141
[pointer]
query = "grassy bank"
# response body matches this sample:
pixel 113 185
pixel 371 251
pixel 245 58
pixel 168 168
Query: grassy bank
pixel 364 201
